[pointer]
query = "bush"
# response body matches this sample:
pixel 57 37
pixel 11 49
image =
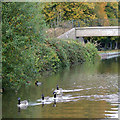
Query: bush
pixel 92 52
pixel 46 59
pixel 71 52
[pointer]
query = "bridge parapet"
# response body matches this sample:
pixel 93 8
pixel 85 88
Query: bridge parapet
pixel 97 31
pixel 79 32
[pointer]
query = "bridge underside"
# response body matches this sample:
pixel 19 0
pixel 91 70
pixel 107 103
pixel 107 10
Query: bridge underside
pixel 97 31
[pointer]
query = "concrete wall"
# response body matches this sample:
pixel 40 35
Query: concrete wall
pixel 68 35
pixel 97 31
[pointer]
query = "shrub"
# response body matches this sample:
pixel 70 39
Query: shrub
pixel 92 53
pixel 46 59
pixel 70 51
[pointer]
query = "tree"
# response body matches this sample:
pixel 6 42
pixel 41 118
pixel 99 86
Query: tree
pixel 61 11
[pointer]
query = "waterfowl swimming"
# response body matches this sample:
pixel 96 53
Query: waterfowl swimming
pixel 42 97
pixel 54 93
pixel 38 83
pixel 45 100
pixel 22 104
pixel 57 98
pixel 59 90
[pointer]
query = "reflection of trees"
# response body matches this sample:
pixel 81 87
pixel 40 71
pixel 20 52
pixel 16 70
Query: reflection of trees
pixel 109 66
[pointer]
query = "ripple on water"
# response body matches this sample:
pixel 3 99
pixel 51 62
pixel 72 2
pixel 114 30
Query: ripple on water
pixel 111 114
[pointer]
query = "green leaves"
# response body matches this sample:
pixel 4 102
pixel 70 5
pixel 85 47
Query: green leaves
pixel 71 52
pixel 20 31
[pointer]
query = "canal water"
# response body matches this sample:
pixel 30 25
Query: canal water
pixel 89 90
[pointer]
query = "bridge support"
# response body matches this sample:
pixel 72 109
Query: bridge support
pixel 116 45
pixel 81 39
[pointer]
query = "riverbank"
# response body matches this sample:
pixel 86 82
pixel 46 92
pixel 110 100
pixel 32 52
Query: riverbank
pixel 50 56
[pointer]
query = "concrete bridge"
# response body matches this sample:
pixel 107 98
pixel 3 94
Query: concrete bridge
pixel 80 32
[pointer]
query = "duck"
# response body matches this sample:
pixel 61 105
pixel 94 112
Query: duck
pixel 58 90
pixel 22 104
pixel 38 83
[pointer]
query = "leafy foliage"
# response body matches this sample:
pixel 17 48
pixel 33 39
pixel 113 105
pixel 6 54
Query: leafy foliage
pixel 22 30
pixel 56 12
pixel 59 11
pixel 26 51
pixel 72 52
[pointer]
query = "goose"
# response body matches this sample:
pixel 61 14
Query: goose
pixel 57 98
pixel 38 83
pixel 22 104
pixel 43 99
pixel 59 90
pixel 54 93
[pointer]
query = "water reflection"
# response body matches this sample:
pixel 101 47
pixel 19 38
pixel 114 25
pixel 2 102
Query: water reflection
pixel 89 91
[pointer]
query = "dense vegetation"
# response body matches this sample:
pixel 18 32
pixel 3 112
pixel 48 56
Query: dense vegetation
pixel 62 11
pixel 22 30
pixel 26 51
